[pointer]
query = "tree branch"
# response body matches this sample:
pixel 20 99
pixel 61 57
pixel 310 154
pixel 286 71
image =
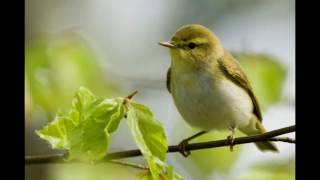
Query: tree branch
pixel 268 136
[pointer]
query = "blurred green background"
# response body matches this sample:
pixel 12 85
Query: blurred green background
pixel 111 48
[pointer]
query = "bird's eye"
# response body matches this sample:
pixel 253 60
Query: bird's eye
pixel 192 45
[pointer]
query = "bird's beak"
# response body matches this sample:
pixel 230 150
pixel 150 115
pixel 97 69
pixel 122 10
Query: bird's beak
pixel 168 44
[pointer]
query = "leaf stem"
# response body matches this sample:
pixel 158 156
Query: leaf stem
pixel 129 164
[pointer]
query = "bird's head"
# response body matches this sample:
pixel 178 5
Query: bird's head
pixel 192 45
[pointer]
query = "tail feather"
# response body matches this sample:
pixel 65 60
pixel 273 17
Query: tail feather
pixel 255 127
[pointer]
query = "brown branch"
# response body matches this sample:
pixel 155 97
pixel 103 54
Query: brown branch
pixel 268 136
pixel 126 101
pixel 284 139
pixel 130 96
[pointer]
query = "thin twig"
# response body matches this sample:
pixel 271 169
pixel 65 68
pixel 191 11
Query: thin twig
pixel 130 96
pixel 126 101
pixel 129 164
pixel 57 158
pixel 38 159
pixel 268 136
pixel 284 139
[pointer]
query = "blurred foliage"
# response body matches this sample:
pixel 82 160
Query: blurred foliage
pixel 266 76
pixel 55 67
pixel 217 159
pixel 271 170
pixel 103 171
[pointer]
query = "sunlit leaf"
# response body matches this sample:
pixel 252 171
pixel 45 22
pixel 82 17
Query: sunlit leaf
pixel 169 175
pixel 56 133
pixel 151 140
pixel 82 99
pixel 85 130
pixel 147 131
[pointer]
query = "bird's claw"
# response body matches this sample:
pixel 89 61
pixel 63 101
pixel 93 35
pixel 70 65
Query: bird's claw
pixel 182 148
pixel 230 141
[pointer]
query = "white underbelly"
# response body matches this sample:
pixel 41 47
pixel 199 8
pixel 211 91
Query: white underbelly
pixel 208 105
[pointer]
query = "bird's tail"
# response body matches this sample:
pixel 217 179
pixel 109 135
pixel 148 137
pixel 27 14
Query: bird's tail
pixel 255 127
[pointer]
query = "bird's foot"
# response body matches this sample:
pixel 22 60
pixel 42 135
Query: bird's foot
pixel 182 148
pixel 182 145
pixel 230 141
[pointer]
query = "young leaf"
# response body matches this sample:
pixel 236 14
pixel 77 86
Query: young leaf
pixel 147 131
pixel 56 133
pixel 85 130
pixel 150 138
pixel 90 139
pixel 82 99
pixel 169 175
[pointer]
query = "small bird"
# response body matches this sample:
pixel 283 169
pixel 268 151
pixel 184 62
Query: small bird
pixel 208 87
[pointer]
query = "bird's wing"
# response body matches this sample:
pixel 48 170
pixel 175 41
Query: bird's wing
pixel 233 71
pixel 168 79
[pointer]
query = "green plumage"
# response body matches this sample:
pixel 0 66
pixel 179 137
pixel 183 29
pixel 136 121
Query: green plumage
pixel 208 86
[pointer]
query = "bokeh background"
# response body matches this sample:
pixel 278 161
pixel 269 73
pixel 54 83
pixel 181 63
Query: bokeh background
pixel 111 48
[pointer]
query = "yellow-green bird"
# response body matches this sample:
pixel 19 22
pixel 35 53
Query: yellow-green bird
pixel 208 87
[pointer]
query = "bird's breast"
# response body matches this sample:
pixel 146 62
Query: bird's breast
pixel 210 103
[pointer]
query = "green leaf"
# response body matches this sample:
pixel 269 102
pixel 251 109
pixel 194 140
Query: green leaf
pixel 147 131
pixel 90 140
pixel 56 133
pixel 85 130
pixel 82 99
pixel 116 116
pixel 151 140
pixel 170 175
pixel 266 76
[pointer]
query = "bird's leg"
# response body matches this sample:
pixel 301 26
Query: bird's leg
pixel 230 138
pixel 182 145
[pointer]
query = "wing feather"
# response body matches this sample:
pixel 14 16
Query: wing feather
pixel 233 71
pixel 168 79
